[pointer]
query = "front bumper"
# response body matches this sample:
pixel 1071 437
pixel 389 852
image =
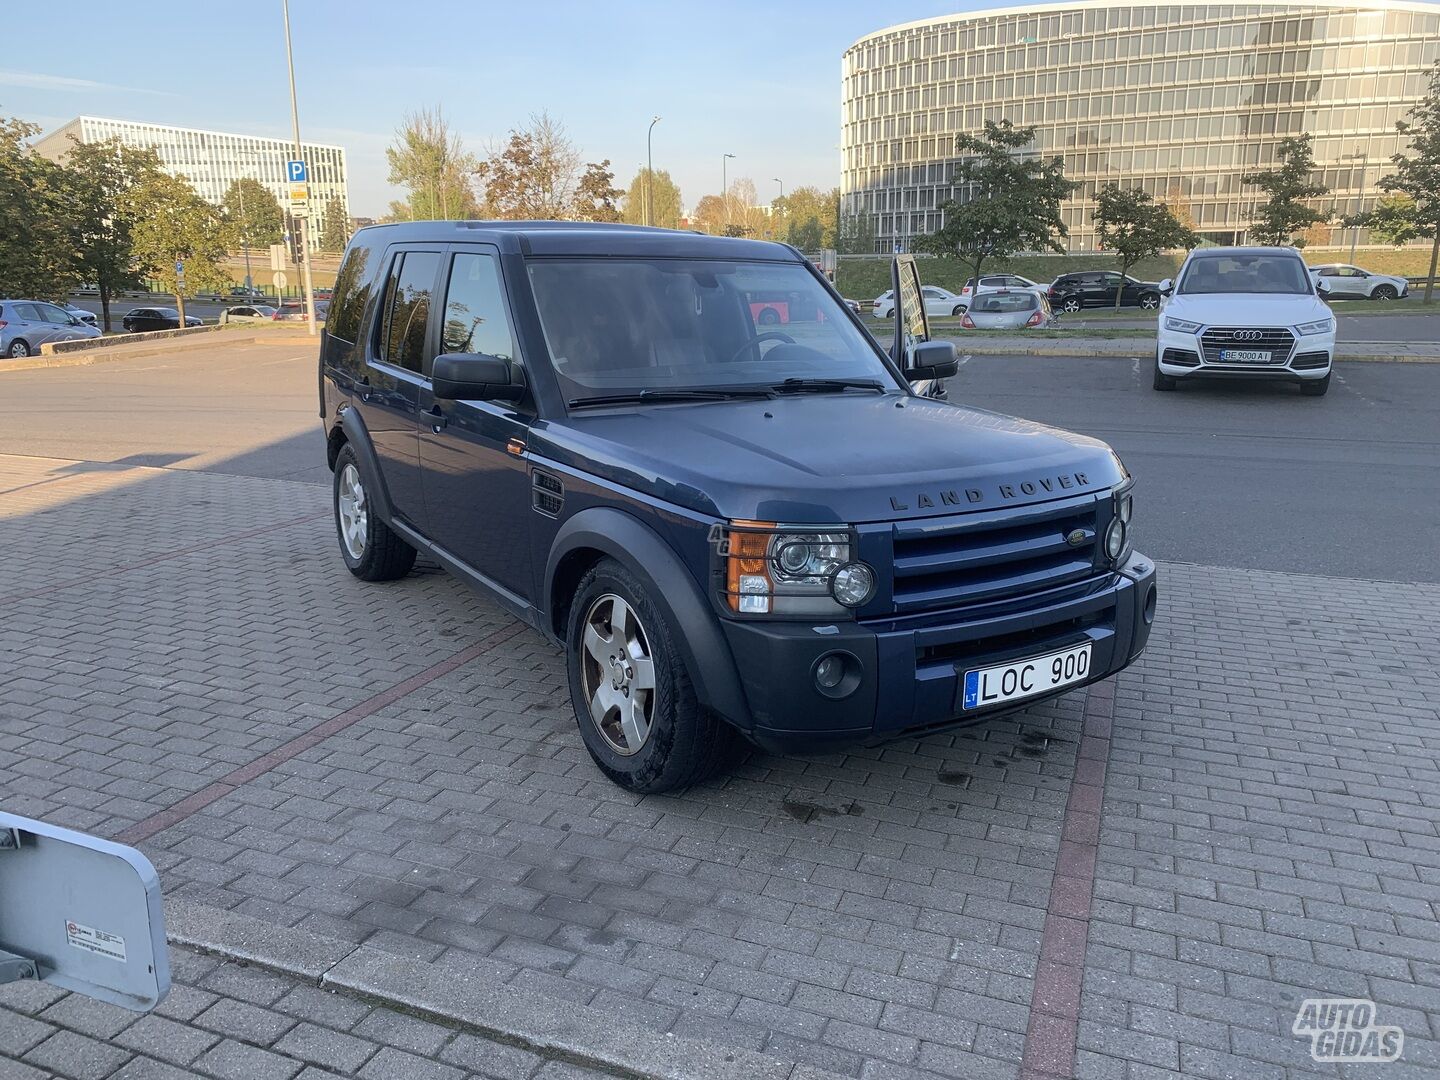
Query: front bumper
pixel 909 670
pixel 1183 356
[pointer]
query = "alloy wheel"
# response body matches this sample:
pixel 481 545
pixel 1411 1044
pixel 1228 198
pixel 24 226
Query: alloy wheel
pixel 354 511
pixel 618 674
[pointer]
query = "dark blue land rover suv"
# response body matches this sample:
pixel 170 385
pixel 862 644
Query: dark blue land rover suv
pixel 733 527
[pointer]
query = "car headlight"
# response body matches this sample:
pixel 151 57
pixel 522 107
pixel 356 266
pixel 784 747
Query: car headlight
pixel 791 570
pixel 1319 326
pixel 1117 534
pixel 1182 326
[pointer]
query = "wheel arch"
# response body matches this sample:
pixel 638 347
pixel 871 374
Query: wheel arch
pixel 604 532
pixel 354 433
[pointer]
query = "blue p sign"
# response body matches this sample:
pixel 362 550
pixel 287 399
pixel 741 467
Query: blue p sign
pixel 296 172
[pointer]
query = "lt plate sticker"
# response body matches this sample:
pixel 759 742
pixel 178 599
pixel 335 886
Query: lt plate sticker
pixel 88 939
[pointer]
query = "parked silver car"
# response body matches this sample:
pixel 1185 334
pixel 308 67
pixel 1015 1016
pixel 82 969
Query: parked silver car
pixel 25 325
pixel 1007 309
pixel 80 313
pixel 1352 283
pixel 248 313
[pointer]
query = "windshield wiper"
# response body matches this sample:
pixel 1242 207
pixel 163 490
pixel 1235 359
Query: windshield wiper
pixel 802 386
pixel 700 394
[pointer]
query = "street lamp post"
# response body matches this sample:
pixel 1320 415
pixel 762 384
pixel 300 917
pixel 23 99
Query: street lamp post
pixel 650 173
pixel 725 187
pixel 1359 202
pixel 244 234
pixel 782 199
pixel 299 155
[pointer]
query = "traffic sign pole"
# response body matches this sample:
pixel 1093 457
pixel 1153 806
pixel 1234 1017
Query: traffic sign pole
pixel 300 155
pixel 180 290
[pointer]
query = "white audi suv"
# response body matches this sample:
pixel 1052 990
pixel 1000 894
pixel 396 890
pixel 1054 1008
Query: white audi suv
pixel 1245 312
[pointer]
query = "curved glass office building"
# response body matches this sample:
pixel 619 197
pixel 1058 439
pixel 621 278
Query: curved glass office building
pixel 1180 99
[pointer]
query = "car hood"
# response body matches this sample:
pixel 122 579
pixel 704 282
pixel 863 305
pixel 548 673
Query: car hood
pixel 1245 309
pixel 845 457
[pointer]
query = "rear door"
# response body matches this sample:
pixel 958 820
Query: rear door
pixel 478 501
pixel 25 323
pixel 397 348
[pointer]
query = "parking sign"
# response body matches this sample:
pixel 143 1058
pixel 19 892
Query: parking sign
pixel 296 172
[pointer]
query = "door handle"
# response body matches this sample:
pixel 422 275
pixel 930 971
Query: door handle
pixel 436 419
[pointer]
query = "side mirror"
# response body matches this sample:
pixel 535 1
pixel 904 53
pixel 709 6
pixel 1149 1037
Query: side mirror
pixel 473 377
pixel 932 360
pixel 1322 286
pixel 1167 287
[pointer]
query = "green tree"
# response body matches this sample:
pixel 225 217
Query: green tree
pixel 1014 199
pixel 1132 225
pixel 664 200
pixel 253 212
pixel 1285 211
pixel 857 235
pixel 431 162
pixel 1392 221
pixel 596 194
pixel 336 233
pixel 173 224
pixel 809 218
pixel 1417 174
pixel 102 175
pixel 38 219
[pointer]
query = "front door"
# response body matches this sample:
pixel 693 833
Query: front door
pixel 477 482
pixel 396 351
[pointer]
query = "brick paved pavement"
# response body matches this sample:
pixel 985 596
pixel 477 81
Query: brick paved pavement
pixel 1269 828
pixel 229 1022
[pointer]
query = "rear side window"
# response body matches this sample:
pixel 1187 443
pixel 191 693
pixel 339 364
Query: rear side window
pixel 352 294
pixel 407 309
pixel 476 320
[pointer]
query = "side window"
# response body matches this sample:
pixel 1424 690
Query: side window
pixel 407 309
pixel 1330 271
pixel 52 314
pixel 351 294
pixel 25 312
pixel 476 320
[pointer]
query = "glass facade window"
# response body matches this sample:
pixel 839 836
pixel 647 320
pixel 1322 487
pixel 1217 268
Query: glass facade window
pixel 213 160
pixel 1178 100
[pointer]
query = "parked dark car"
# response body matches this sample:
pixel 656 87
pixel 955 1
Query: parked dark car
pixel 731 529
pixel 1096 288
pixel 140 319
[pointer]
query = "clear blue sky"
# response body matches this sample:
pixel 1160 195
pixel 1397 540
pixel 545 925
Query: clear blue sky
pixel 757 79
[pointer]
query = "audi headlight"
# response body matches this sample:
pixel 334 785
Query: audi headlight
pixel 806 571
pixel 1181 326
pixel 1319 326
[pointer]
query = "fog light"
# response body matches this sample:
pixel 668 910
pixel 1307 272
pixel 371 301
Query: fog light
pixel 829 671
pixel 853 584
pixel 1115 539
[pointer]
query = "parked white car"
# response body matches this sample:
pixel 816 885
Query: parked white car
pixel 1248 312
pixel 938 302
pixel 248 313
pixel 1352 283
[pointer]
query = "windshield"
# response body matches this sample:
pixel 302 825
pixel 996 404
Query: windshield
pixel 624 326
pixel 1246 273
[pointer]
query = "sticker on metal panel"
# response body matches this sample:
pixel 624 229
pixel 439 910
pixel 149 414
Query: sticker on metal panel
pixel 88 939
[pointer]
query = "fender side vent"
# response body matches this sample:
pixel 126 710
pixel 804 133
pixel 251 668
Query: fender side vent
pixel 547 493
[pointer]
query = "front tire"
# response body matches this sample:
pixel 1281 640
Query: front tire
pixel 633 699
pixel 1384 292
pixel 1316 387
pixel 372 551
pixel 1150 301
pixel 1163 381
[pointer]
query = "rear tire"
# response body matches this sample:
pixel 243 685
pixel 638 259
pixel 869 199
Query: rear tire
pixel 1315 387
pixel 1384 292
pixel 19 349
pixel 1163 381
pixel 959 310
pixel 623 665
pixel 1072 305
pixel 372 551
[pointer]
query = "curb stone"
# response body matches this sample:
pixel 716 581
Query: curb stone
pixel 557 1030
pixel 124 350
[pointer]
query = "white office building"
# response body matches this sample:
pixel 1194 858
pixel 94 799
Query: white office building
pixel 213 160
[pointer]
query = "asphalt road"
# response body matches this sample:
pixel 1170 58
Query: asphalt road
pixel 1251 474
pixel 1244 475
